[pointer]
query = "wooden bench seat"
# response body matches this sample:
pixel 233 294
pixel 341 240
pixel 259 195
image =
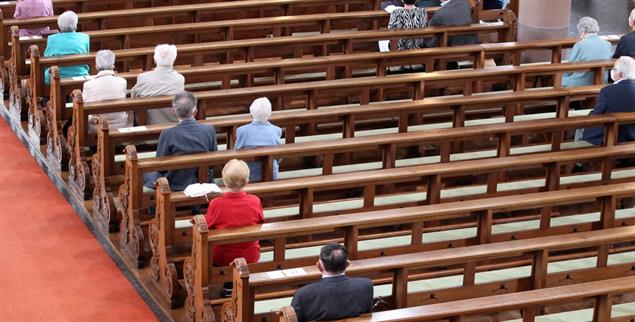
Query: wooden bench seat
pixel 197 12
pixel 59 6
pixel 373 185
pixel 279 71
pixel 227 51
pixel 205 275
pixel 601 291
pixel 78 138
pixel 388 146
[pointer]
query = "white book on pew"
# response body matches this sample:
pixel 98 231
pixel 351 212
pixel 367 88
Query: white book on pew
pixel 201 189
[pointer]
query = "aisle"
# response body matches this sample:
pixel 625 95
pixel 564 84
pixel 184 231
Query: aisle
pixel 51 266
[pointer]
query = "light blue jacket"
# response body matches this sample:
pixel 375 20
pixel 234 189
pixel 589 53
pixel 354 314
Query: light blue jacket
pixel 588 49
pixel 256 134
pixel 67 43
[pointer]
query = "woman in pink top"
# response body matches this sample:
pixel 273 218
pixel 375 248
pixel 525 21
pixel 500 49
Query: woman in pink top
pixel 33 9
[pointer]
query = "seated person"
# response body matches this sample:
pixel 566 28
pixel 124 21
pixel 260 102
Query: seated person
pixel 258 133
pixel 626 46
pixel 67 42
pixel 335 296
pixel 25 9
pixel 187 137
pixel 453 13
pixel 106 86
pixel 591 47
pixel 408 17
pixel 614 98
pixel 163 80
pixel 235 208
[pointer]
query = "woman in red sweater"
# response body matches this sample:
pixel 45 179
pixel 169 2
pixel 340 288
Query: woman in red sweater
pixel 235 208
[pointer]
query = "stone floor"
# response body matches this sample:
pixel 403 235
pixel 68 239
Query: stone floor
pixel 612 15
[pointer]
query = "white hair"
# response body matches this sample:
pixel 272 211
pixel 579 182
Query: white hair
pixel 105 59
pixel 67 21
pixel 631 18
pixel 165 55
pixel 260 109
pixel 626 66
pixel 588 25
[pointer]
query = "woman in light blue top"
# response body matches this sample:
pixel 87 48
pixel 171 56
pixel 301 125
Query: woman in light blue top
pixel 67 42
pixel 259 133
pixel 591 47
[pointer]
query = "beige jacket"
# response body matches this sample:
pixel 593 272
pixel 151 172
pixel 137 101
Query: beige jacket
pixel 106 86
pixel 161 81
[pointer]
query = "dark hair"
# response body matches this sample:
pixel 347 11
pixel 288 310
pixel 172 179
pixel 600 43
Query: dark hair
pixel 334 258
pixel 409 1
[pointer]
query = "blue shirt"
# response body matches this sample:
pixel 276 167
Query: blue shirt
pixel 256 134
pixel 588 49
pixel 67 43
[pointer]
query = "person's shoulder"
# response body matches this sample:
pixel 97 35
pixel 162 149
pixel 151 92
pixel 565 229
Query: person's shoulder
pixel 361 281
pixel 252 198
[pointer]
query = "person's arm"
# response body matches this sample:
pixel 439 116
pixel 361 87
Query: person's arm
pixel 574 55
pixel 297 307
pixel 212 214
pixel 602 104
pixel 240 138
pixel 261 215
pixel 394 23
pixel 621 48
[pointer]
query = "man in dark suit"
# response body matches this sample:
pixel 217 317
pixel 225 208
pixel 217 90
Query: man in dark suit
pixel 626 46
pixel 453 13
pixel 187 137
pixel 618 97
pixel 336 296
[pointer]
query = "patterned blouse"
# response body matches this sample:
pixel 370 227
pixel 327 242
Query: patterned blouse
pixel 408 19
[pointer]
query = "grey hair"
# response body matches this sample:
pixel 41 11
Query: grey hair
pixel 260 109
pixel 67 21
pixel 588 25
pixel 626 65
pixel 164 55
pixel 105 60
pixel 184 104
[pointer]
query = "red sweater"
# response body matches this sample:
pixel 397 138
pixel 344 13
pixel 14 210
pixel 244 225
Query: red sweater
pixel 235 209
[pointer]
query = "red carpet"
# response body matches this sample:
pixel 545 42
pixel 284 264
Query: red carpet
pixel 51 266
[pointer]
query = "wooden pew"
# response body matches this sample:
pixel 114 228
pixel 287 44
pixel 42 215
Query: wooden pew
pixel 162 235
pixel 201 276
pixel 106 169
pixel 369 187
pixel 228 51
pixel 78 138
pixel 280 70
pixel 197 12
pixel 603 292
pixel 59 6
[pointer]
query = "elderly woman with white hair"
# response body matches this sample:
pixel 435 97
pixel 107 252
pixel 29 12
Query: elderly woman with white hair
pixel 106 86
pixel 259 133
pixel 67 42
pixel 590 48
pixel 163 80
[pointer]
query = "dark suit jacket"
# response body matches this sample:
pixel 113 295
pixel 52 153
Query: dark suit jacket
pixel 614 98
pixel 332 298
pixel 455 13
pixel 626 46
pixel 187 137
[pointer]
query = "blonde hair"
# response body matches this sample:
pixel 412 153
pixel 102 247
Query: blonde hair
pixel 235 175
